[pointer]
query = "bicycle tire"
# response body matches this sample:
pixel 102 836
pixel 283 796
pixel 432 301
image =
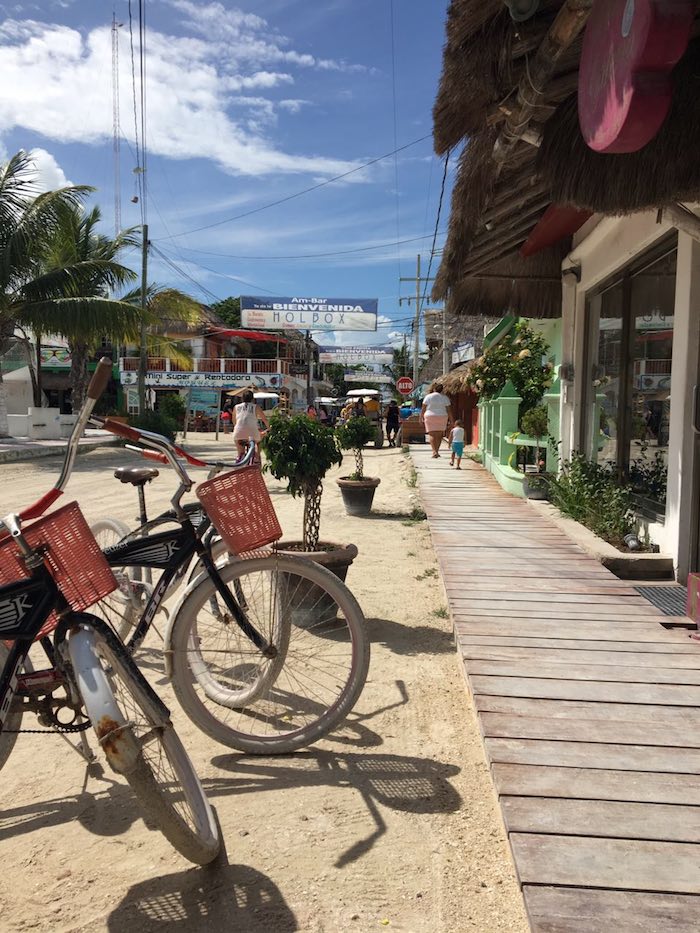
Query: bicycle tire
pixel 163 779
pixel 13 720
pixel 326 655
pixel 122 608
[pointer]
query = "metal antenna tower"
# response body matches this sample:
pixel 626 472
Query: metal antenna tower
pixel 116 134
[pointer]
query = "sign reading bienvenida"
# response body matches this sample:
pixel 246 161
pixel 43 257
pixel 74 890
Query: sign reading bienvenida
pixel 352 356
pixel 308 313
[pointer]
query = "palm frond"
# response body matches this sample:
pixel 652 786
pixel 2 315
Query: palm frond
pixel 81 279
pixel 76 318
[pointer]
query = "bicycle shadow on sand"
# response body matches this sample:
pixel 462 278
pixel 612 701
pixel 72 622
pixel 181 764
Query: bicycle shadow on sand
pixel 219 897
pixel 398 782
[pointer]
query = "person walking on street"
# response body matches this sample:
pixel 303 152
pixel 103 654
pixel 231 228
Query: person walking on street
pixel 246 416
pixel 457 443
pixel 392 423
pixel 436 415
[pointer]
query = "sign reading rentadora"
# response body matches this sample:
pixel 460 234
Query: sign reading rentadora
pixel 308 313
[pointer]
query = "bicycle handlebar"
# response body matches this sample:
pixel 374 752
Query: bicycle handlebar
pixel 100 378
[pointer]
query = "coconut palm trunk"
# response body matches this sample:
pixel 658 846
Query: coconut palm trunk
pixel 79 376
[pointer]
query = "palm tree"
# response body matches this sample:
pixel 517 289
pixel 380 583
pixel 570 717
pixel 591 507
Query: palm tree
pixel 59 300
pixel 77 243
pixel 168 309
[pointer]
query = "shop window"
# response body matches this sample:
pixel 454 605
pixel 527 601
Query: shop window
pixel 630 329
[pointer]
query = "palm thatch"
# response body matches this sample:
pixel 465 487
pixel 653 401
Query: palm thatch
pixel 665 171
pixel 505 183
pixel 456 381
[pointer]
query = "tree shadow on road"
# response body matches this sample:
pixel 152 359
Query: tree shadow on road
pixel 399 782
pixel 221 897
pixel 410 639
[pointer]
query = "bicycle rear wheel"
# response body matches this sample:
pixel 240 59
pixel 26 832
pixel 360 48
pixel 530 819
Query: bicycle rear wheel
pixel 13 720
pixel 277 704
pixel 163 777
pixel 122 608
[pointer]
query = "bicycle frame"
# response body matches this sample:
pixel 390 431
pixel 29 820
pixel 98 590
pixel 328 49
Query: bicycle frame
pixel 171 551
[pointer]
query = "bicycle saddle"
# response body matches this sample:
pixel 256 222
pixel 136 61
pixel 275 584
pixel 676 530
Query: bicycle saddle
pixel 137 476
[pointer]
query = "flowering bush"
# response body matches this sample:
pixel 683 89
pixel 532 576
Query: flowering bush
pixel 518 357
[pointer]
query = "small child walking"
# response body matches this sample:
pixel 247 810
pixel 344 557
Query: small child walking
pixel 457 443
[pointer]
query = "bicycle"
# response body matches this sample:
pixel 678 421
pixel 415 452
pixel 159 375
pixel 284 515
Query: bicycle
pixel 266 652
pixel 50 573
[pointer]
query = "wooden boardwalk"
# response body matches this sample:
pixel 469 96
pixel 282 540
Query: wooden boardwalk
pixel 589 710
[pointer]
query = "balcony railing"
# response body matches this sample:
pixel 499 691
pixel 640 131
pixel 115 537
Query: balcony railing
pixel 161 364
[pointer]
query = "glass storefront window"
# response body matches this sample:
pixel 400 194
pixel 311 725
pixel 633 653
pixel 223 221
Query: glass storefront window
pixel 629 407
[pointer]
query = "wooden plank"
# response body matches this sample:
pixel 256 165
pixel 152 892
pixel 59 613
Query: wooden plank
pixel 470 605
pixel 661 646
pixel 590 587
pixel 616 673
pixel 566 656
pixel 604 818
pixel 607 863
pixel 553 598
pixel 585 910
pixel 595 690
pixel 666 734
pixel 572 709
pixel 591 784
pixel 581 629
pixel 594 755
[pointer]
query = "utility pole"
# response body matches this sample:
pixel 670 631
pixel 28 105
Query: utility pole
pixel 446 357
pixel 405 356
pixel 416 325
pixel 143 358
pixel 309 368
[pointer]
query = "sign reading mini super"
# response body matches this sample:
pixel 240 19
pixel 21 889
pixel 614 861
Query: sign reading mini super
pixel 351 356
pixel 309 313
pixel 253 381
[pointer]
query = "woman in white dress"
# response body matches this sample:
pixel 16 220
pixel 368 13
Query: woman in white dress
pixel 436 415
pixel 246 416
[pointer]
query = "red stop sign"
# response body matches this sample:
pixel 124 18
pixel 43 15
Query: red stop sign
pixel 405 385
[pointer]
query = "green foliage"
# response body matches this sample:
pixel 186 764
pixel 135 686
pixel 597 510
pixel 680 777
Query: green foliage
pixel 353 435
pixel 591 494
pixel 335 374
pixel 229 310
pixel 535 421
pixel 173 406
pixel 518 358
pixel 299 450
pixel 157 422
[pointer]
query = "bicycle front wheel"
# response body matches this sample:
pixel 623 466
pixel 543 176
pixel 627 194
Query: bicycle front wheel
pixel 277 701
pixel 163 779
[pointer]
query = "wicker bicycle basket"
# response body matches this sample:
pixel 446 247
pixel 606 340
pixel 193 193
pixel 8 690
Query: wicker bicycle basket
pixel 72 556
pixel 241 509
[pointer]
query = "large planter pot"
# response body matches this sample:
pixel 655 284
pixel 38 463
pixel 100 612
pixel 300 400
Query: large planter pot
pixel 310 607
pixel 358 494
pixel 535 486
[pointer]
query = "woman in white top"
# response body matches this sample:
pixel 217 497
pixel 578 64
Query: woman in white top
pixel 436 415
pixel 246 416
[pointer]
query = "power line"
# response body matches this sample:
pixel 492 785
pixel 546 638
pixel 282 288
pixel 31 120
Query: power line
pixel 298 194
pixel 341 252
pixel 396 157
pixel 202 288
pixel 142 75
pixel 137 170
pixel 435 234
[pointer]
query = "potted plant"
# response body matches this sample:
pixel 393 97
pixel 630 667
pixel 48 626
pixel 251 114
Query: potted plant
pixel 357 489
pixel 301 451
pixel 534 423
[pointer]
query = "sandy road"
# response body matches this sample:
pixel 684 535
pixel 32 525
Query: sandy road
pixel 390 823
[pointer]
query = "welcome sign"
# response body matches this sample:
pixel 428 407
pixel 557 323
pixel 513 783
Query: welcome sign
pixel 351 356
pixel 309 313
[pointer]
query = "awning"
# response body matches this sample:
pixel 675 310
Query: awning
pixel 252 335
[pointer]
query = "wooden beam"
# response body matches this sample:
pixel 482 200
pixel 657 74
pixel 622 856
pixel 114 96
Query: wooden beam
pixel 683 219
pixel 533 89
pixel 534 197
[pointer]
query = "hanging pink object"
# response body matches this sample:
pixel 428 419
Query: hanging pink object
pixel 625 84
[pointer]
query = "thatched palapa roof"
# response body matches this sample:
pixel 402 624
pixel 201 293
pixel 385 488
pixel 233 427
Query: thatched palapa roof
pixel 508 92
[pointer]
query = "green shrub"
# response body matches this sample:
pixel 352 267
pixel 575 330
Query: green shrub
pixel 301 450
pixel 173 406
pixel 591 494
pixel 157 422
pixel 534 422
pixel 353 435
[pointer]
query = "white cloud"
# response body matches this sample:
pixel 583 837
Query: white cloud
pixel 56 83
pixel 49 174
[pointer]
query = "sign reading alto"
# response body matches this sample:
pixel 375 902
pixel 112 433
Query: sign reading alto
pixel 309 313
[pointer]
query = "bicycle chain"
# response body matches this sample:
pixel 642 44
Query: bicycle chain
pixel 73 727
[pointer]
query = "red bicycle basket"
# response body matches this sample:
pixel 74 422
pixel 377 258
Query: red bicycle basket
pixel 73 558
pixel 241 509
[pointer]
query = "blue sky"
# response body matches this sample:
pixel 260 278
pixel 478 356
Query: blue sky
pixel 247 103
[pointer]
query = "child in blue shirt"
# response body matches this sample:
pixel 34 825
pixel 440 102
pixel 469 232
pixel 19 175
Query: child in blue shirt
pixel 457 443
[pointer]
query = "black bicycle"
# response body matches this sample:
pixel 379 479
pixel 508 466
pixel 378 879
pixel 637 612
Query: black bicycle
pixel 267 652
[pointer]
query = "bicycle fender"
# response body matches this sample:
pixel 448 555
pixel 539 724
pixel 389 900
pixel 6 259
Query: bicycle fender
pixel 119 745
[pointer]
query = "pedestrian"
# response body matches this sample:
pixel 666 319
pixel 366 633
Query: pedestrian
pixel 392 423
pixel 226 417
pixel 323 415
pixel 358 409
pixel 436 414
pixel 457 443
pixel 312 413
pixel 246 418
